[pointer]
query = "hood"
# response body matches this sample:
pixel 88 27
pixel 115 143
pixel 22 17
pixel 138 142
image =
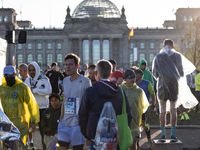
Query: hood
pixel 106 89
pixel 143 61
pixel 123 85
pixel 37 70
pixel 4 83
pixel 168 50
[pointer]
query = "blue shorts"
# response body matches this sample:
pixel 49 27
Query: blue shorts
pixel 71 135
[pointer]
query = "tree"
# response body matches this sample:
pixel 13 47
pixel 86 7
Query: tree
pixel 192 42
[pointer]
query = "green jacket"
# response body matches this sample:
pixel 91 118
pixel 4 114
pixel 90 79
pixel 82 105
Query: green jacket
pixel 147 74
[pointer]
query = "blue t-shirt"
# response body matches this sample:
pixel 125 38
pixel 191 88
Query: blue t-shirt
pixel 147 88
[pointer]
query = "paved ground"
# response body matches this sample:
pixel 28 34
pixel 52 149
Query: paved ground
pixel 189 137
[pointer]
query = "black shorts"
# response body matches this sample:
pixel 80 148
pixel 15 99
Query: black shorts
pixel 169 91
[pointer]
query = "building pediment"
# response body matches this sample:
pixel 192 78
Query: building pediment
pixel 95 27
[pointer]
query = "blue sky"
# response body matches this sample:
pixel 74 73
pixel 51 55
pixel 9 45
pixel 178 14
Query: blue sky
pixel 141 13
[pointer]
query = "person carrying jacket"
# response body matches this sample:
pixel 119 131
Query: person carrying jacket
pixel 18 103
pixel 40 87
pixel 146 73
pixel 138 104
pixel 94 99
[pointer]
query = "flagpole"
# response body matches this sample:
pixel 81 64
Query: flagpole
pixel 2 3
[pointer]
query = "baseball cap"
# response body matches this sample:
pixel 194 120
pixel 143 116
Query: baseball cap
pixel 54 95
pixel 9 70
pixel 128 72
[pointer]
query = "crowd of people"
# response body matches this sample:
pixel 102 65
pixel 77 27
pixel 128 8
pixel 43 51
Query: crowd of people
pixel 68 104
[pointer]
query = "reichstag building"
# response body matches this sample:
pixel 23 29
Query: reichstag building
pixel 96 29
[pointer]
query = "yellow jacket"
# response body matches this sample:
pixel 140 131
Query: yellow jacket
pixel 138 103
pixel 197 82
pixel 19 105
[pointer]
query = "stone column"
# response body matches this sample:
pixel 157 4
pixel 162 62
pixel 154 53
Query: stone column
pixel 101 47
pixel 24 54
pixel 34 51
pixel 44 54
pixel 54 56
pixel 121 50
pixel 70 45
pixel 81 50
pixel 90 51
pixel 111 47
pixel 147 51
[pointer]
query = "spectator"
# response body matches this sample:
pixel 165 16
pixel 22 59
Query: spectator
pixel 41 88
pixel 23 71
pixel 74 87
pixel 91 75
pixel 116 75
pixel 18 102
pixel 50 121
pixel 48 69
pixel 94 99
pixel 54 76
pixel 138 105
pixel 147 74
pixel 85 69
pixel 148 89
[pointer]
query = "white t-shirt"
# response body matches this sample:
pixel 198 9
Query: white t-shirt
pixel 73 91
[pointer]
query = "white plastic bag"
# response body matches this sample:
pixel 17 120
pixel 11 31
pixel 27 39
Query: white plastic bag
pixel 107 135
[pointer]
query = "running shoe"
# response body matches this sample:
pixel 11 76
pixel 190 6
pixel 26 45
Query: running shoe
pixel 162 139
pixel 150 143
pixel 187 117
pixel 182 117
pixel 32 147
pixel 173 139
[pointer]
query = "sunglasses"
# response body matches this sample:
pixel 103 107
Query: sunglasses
pixel 131 77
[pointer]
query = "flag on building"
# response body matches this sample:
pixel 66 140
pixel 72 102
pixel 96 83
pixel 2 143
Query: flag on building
pixel 130 34
pixel 20 12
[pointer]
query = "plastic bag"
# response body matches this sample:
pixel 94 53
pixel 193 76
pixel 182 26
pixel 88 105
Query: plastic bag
pixel 107 135
pixel 9 134
pixel 170 69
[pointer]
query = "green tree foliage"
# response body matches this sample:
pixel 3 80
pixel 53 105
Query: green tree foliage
pixel 192 42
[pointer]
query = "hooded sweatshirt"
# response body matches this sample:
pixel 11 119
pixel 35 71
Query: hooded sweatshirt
pixel 19 105
pixel 146 73
pixel 138 105
pixel 40 87
pixel 92 104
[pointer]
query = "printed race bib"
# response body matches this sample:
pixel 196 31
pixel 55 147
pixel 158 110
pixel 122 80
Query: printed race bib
pixel 72 105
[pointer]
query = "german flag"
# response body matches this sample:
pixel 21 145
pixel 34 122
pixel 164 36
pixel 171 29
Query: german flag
pixel 130 34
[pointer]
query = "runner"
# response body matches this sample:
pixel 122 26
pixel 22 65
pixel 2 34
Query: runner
pixel 146 73
pixel 138 105
pixel 116 76
pixel 41 88
pixel 18 103
pixel 74 88
pixel 148 89
pixel 94 99
pixel 169 68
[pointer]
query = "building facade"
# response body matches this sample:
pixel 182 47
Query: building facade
pixel 95 30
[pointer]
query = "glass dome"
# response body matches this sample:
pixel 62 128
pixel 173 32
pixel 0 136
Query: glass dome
pixel 96 9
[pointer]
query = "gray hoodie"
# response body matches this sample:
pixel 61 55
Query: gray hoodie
pixel 42 87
